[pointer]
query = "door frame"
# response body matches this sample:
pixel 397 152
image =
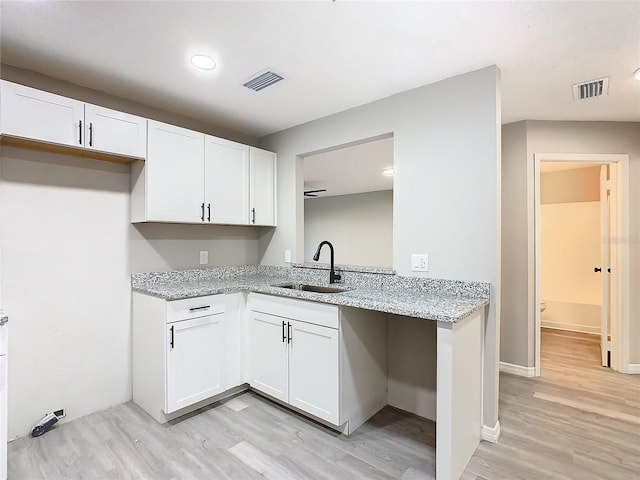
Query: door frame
pixel 619 325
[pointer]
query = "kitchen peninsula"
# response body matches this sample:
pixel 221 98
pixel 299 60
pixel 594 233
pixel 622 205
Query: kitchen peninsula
pixel 227 299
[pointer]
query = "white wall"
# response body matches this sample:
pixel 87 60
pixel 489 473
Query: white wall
pixel 569 249
pixel 360 227
pixel 446 185
pixel 67 252
pixel 65 285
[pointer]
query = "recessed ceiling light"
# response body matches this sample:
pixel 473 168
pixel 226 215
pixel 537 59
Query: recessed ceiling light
pixel 388 172
pixel 636 74
pixel 203 62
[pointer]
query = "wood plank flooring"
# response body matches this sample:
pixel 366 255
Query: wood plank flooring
pixel 577 421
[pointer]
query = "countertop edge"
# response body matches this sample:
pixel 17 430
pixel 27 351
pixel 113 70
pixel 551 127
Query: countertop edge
pixel 333 299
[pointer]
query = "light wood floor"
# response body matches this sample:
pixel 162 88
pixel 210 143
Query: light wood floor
pixel 577 421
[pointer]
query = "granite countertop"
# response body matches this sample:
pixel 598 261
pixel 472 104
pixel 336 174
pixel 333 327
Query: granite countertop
pixel 409 298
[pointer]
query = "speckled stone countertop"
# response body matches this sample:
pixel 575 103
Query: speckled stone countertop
pixel 431 299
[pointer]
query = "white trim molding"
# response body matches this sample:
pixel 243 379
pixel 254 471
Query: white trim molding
pixel 517 369
pixel 634 368
pixel 491 434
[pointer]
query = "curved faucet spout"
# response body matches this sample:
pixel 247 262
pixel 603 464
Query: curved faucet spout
pixel 333 276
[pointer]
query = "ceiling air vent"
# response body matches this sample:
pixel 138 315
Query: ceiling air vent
pixel 262 80
pixel 591 89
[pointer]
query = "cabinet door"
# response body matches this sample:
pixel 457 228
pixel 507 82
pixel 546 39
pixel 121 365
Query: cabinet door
pixel 226 187
pixel 116 132
pixel 37 115
pixel 313 370
pixel 174 174
pixel 262 189
pixel 195 361
pixel 268 369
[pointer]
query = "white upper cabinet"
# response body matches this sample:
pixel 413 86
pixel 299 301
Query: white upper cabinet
pixel 44 117
pixel 226 181
pixel 116 132
pixel 262 187
pixel 190 177
pixel 169 187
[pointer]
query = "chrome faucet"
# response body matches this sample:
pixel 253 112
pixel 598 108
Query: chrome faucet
pixel 333 276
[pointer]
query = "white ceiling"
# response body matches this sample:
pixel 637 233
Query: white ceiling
pixel 333 55
pixel 354 169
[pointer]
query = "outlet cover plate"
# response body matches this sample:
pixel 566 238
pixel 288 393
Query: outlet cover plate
pixel 287 256
pixel 204 257
pixel 419 262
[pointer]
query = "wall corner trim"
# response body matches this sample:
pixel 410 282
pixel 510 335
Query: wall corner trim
pixel 517 370
pixel 491 434
pixel 634 368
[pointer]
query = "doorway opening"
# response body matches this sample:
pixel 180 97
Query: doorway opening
pixel 581 296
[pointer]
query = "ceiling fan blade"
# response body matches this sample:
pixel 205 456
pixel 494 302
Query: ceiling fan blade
pixel 308 193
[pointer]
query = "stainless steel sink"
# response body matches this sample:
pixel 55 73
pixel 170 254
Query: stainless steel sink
pixel 310 288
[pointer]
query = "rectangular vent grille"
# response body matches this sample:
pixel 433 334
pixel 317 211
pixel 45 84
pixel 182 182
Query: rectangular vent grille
pixel 591 89
pixel 263 80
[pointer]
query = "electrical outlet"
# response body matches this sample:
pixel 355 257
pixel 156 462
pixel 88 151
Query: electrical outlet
pixel 204 257
pixel 419 262
pixel 287 256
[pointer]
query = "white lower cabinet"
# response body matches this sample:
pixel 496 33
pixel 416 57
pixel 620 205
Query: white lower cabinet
pixel 268 350
pixel 296 362
pixel 195 360
pixel 313 370
pixel 323 360
pixel 184 351
pixel 326 361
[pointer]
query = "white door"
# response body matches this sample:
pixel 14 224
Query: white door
pixel 226 186
pixel 115 132
pixel 175 170
pixel 195 360
pixel 268 363
pixel 313 370
pixel 262 187
pixel 43 116
pixel 605 343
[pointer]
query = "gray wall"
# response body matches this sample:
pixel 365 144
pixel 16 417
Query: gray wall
pixel 360 227
pixel 517 293
pixel 555 137
pixel 66 254
pixel 446 186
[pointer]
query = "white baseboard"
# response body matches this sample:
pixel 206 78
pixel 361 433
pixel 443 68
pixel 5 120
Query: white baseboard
pixel 491 434
pixel 634 368
pixel 517 369
pixel 571 327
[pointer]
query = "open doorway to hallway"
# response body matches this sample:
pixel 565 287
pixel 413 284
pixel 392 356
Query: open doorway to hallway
pixel 582 276
pixel 574 306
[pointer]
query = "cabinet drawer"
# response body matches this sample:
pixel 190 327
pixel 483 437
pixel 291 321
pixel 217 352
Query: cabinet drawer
pixel 194 307
pixel 310 312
